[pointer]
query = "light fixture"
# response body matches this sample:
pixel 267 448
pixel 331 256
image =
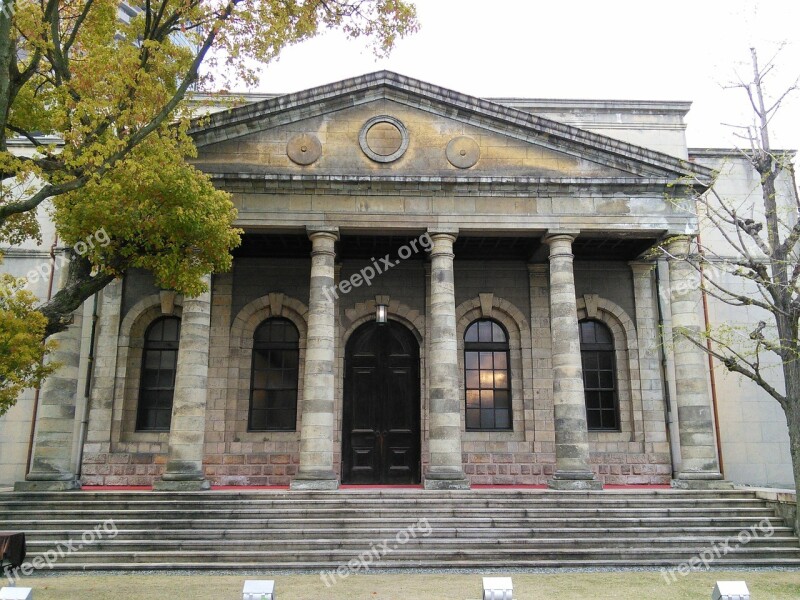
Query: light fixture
pixel 16 593
pixel 497 588
pixel 381 314
pixel 730 590
pixel 255 589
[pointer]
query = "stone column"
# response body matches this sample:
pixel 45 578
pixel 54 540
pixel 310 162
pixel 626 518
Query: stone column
pixel 699 465
pixel 184 469
pixel 104 372
pixel 317 418
pixel 569 403
pixel 444 407
pixel 652 389
pixel 52 467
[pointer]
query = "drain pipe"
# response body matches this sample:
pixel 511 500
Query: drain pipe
pixel 668 414
pixel 37 391
pixel 84 428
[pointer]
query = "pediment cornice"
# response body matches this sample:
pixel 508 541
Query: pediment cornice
pixel 385 85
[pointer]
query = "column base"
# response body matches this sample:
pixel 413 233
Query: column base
pixel 314 480
pixel 446 484
pixel 700 481
pixel 569 480
pixel 186 485
pixel 66 485
pixel 454 479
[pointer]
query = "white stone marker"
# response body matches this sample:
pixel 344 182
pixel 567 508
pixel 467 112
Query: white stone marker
pixel 16 593
pixel 497 588
pixel 730 590
pixel 255 589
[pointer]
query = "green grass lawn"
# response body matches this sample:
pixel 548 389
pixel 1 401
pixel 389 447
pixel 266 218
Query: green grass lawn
pixel 764 585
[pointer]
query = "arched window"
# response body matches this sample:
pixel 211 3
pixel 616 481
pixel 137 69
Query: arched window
pixel 487 378
pixel 599 376
pixel 159 362
pixel 273 386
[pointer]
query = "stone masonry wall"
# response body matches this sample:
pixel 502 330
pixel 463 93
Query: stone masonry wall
pixel 513 293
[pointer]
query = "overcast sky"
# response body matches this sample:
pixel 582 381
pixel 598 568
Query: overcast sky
pixel 676 50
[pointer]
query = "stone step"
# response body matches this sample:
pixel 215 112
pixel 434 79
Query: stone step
pixel 377 494
pixel 409 514
pixel 77 501
pixel 371 534
pixel 371 522
pixel 471 529
pixel 326 568
pixel 333 557
pixel 684 544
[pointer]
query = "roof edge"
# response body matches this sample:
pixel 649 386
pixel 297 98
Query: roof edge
pixel 404 84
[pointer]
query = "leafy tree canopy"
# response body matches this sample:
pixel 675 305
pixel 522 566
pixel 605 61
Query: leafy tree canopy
pixel 107 82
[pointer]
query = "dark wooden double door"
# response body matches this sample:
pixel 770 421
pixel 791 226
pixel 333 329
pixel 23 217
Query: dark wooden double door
pixel 380 421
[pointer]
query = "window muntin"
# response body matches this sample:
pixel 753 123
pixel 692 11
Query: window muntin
pixel 157 385
pixel 487 377
pixel 273 384
pixel 599 376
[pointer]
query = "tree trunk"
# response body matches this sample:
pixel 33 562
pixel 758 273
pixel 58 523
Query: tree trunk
pixel 793 420
pixel 80 286
pixel 6 56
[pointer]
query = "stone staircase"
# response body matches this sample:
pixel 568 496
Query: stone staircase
pixel 397 529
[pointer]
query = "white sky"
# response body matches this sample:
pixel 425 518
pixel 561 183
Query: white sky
pixel 609 49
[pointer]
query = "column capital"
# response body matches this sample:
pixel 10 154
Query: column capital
pixel 678 246
pixel 553 235
pixel 323 240
pixel 560 243
pixel 538 268
pixel 641 267
pixel 317 232
pixel 442 242
pixel 451 231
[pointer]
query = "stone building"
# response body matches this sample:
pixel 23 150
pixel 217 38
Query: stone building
pixel 432 288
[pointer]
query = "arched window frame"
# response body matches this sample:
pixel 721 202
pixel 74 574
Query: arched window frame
pixel 601 386
pixel 288 373
pixel 156 415
pixel 474 361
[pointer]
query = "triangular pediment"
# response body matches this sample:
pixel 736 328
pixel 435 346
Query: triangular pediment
pixel 385 124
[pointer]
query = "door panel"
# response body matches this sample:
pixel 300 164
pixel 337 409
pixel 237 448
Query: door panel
pixel 380 421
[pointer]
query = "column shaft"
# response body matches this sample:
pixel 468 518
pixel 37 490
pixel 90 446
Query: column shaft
pixel 52 468
pixel 569 403
pixel 695 415
pixel 444 408
pixel 184 469
pixel 317 418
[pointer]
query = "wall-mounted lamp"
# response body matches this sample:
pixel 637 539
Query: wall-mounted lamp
pixel 380 314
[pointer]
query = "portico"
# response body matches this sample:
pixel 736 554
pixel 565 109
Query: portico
pixel 521 337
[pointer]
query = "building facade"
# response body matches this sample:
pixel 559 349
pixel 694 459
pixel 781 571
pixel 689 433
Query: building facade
pixel 432 289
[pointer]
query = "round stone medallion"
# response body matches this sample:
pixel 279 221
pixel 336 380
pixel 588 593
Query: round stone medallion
pixel 304 149
pixel 463 152
pixel 383 138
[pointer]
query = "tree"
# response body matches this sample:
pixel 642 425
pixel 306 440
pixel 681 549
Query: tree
pixel 111 84
pixel 755 266
pixel 21 332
